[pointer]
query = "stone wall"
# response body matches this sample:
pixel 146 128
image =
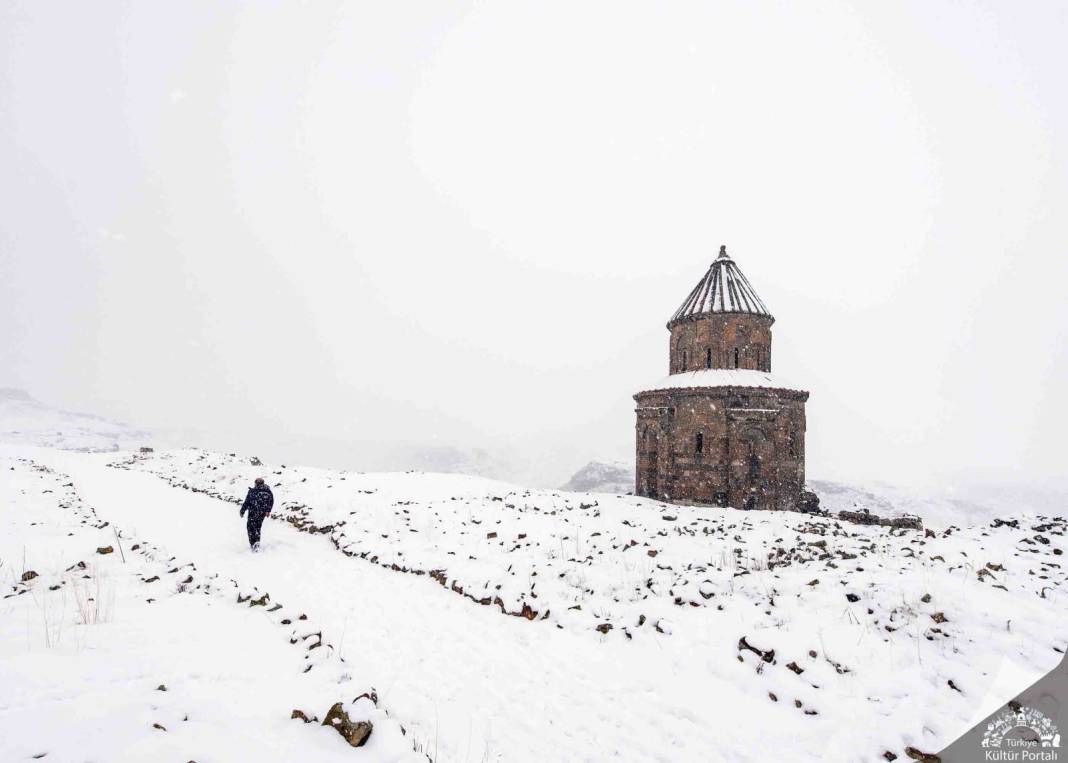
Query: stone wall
pixel 725 446
pixel 716 340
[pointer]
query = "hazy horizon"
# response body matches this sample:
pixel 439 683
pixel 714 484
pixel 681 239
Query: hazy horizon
pixel 283 228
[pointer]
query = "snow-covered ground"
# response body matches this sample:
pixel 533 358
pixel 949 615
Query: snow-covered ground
pixel 498 623
pixel 134 654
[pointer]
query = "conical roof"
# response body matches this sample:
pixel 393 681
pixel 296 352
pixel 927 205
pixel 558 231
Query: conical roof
pixel 723 289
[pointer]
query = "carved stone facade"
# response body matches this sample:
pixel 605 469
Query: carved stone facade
pixel 720 429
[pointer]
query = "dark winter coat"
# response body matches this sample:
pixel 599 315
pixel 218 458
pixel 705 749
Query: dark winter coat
pixel 260 500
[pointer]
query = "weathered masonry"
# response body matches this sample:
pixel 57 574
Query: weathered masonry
pixel 720 429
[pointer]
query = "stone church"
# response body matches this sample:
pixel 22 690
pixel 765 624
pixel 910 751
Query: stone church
pixel 720 429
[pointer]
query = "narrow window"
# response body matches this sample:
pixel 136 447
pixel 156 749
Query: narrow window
pixel 735 357
pixel 708 358
pixel 684 359
pixel 754 464
pixel 699 443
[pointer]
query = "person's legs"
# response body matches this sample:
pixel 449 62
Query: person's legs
pixel 255 520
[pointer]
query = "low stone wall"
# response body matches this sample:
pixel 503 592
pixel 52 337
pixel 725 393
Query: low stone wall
pixel 867 518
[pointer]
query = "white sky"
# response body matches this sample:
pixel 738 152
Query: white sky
pixel 380 223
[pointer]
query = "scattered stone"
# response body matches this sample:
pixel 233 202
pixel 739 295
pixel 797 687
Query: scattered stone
pixel 300 714
pixel 795 667
pixel 356 734
pixel 105 550
pixel 767 656
pixel 852 597
pixel 28 575
pixel 926 598
pixel 371 695
pixel 923 757
pixel 939 617
pixel 161 687
pixel 604 627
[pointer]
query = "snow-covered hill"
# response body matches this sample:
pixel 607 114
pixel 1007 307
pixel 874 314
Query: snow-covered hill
pixel 499 623
pixel 27 421
pixel 898 630
pixel 599 477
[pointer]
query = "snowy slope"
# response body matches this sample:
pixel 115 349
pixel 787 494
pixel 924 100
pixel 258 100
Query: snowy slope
pixel 135 655
pixel 27 421
pixel 910 635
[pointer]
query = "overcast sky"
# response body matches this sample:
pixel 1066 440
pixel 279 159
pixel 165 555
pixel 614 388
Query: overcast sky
pixel 381 223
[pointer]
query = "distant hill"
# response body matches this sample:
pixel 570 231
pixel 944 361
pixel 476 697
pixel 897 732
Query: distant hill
pixel 27 421
pixel 599 477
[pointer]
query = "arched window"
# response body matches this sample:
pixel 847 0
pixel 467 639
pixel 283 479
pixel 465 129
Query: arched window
pixel 708 358
pixel 735 357
pixel 684 360
pixel 699 443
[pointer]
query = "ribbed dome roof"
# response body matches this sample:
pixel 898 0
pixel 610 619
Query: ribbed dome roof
pixel 723 289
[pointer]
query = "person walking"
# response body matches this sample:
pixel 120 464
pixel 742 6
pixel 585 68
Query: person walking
pixel 258 503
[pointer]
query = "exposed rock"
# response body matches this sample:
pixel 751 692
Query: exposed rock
pixel 923 757
pixel 865 517
pixel 809 502
pixel 28 575
pixel 300 714
pixel 767 656
pixel 105 550
pixel 356 734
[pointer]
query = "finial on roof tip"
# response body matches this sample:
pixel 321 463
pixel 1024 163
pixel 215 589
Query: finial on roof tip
pixel 723 250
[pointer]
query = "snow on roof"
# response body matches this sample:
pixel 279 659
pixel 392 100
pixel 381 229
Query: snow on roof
pixel 722 377
pixel 722 289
